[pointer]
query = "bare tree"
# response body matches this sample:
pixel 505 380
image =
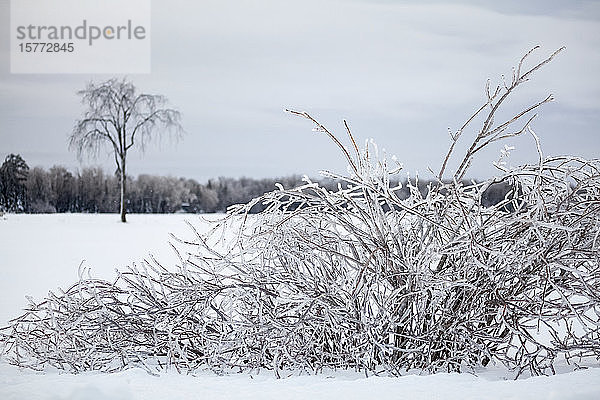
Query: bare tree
pixel 120 116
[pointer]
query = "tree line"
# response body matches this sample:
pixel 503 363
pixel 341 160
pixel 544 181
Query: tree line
pixel 91 190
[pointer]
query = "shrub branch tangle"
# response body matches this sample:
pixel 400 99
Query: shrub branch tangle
pixel 357 277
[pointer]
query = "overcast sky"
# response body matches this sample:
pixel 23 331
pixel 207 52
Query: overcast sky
pixel 400 72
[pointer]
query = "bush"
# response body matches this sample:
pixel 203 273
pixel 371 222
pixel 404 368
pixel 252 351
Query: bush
pixel 357 277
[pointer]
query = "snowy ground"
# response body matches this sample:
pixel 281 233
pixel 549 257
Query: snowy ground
pixel 137 384
pixel 43 252
pixel 39 253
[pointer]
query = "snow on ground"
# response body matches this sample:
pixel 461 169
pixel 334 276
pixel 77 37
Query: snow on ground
pixel 43 252
pixel 137 384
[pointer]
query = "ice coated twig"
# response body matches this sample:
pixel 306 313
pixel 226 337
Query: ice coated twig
pixel 494 101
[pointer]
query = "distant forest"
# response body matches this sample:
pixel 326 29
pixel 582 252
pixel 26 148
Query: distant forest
pixel 91 190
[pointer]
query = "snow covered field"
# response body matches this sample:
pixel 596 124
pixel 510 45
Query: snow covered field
pixel 43 252
pixel 137 384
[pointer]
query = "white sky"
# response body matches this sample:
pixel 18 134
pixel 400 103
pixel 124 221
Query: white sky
pixel 400 72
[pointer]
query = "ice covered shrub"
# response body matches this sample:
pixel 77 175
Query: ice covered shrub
pixel 358 277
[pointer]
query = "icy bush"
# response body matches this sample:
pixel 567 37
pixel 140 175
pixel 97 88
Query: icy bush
pixel 358 277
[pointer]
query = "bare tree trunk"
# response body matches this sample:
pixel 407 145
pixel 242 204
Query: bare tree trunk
pixel 123 190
